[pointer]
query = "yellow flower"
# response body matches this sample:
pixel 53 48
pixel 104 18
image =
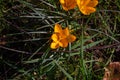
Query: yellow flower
pixel 61 37
pixel 68 4
pixel 87 6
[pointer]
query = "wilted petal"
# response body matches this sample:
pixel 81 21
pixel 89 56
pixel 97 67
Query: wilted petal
pixel 112 71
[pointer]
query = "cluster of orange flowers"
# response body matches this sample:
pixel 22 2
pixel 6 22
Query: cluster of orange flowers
pixel 61 37
pixel 85 6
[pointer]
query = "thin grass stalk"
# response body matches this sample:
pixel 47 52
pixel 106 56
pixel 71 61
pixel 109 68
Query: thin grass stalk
pixel 82 62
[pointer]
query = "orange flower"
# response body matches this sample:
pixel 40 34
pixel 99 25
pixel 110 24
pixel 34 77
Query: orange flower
pixel 61 37
pixel 87 6
pixel 68 4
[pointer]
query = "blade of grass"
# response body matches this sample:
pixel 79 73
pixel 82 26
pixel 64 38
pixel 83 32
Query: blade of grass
pixel 78 43
pixel 68 75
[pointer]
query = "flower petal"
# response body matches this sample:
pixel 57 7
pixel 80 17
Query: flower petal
pixel 66 31
pixel 63 43
pixel 87 10
pixel 62 1
pixel 87 6
pixel 93 3
pixel 54 45
pixel 55 37
pixel 81 3
pixel 71 38
pixel 58 28
pixel 67 5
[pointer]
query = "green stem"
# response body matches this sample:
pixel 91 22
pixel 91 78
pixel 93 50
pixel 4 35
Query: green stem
pixel 82 62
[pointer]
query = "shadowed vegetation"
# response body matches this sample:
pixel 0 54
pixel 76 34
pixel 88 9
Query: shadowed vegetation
pixel 26 27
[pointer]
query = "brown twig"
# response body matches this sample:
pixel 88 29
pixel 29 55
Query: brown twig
pixel 18 51
pixel 14 50
pixel 20 29
pixel 104 47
